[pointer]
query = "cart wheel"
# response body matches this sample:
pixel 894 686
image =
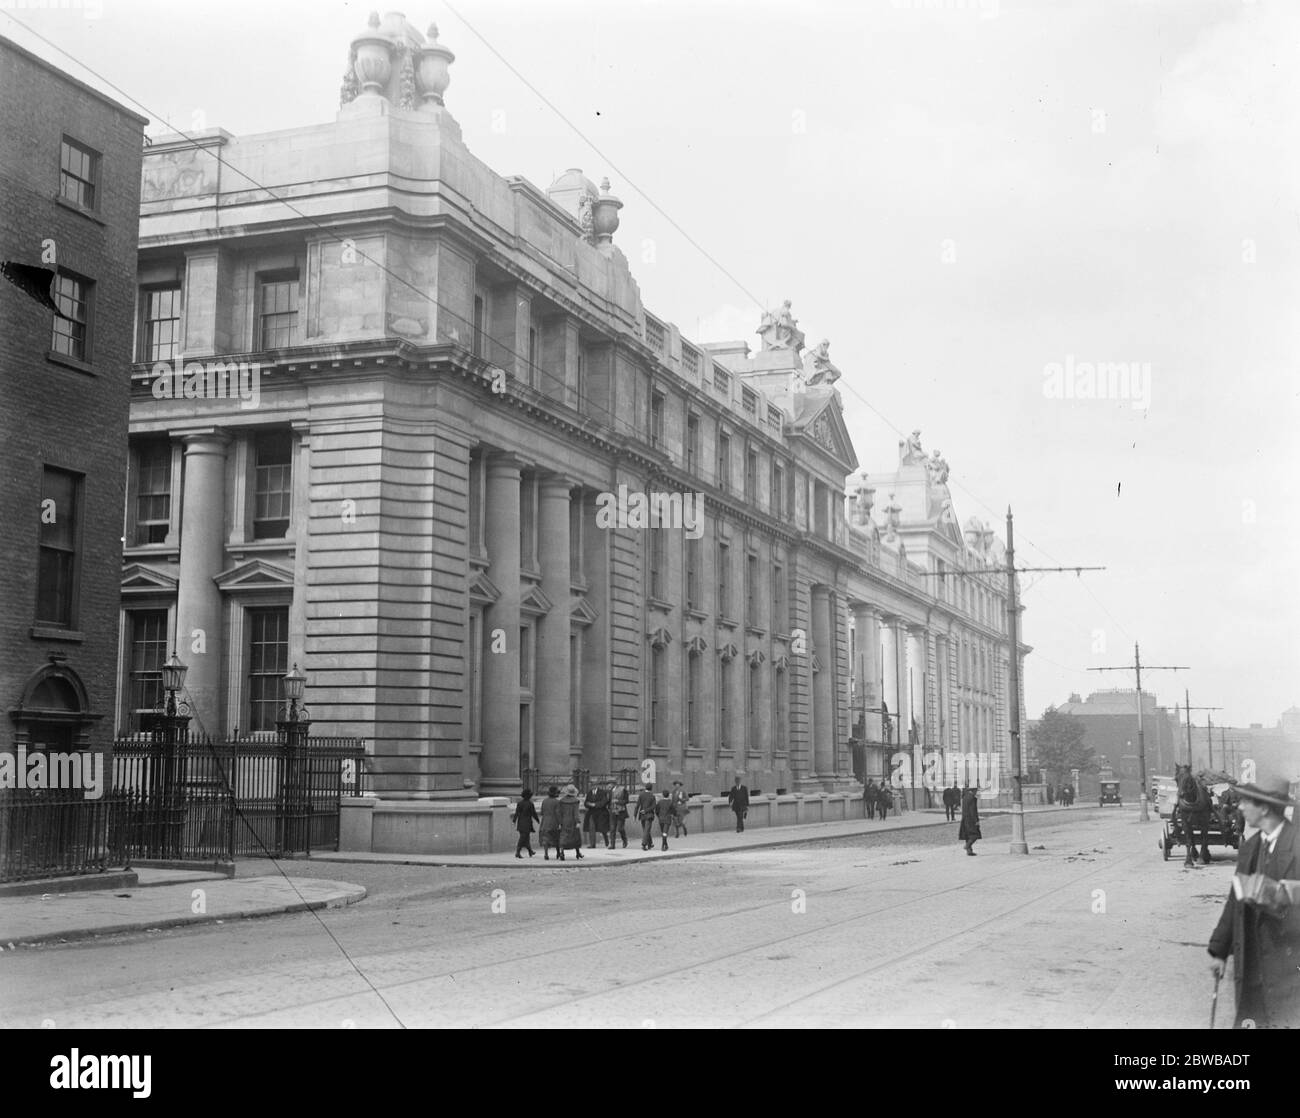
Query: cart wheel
pixel 1167 844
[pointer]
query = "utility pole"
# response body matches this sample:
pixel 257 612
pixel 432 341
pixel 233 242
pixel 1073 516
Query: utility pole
pixel 1136 666
pixel 1018 843
pixel 1187 705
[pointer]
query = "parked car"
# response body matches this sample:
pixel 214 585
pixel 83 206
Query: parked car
pixel 1109 793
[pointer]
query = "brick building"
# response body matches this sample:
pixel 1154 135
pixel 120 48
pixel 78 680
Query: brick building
pixel 70 163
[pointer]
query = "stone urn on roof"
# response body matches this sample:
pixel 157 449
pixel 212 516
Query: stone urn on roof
pixel 432 72
pixel 373 57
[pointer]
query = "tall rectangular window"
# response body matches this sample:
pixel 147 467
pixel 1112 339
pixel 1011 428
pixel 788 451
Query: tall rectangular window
pixel 56 576
pixel 778 490
pixel 724 460
pixel 532 356
pixel 724 580
pixel 692 444
pixel 657 419
pixel 751 476
pixel 656 696
pixel 272 484
pixel 821 509
pixel 73 296
pixel 480 314
pixel 724 703
pixel 751 591
pixel 476 676
pixel 153 490
pixel 779 704
pixel 527 521
pixel 575 536
pixel 526 657
pixel 268 661
pixel 693 574
pixel 277 309
pixel 78 174
pixel 657 558
pixel 692 700
pixel 778 599
pixel 475 498
pixel 751 710
pixel 581 386
pixel 162 323
pixel 148 653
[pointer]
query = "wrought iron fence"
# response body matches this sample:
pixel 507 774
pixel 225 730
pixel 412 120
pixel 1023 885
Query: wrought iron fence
pixel 186 797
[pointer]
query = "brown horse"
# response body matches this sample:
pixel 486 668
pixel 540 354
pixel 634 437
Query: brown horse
pixel 1192 813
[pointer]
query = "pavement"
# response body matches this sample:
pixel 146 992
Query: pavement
pixel 168 898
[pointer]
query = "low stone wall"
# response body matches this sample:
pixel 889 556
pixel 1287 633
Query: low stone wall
pixel 378 826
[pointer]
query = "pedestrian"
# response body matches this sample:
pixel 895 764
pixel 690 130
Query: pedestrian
pixel 525 817
pixel 570 830
pixel 549 828
pixel 596 820
pixel 1260 923
pixel 1051 793
pixel 951 798
pixel 618 799
pixel 645 814
pixel 738 798
pixel 664 812
pixel 869 795
pixel 970 819
pixel 884 800
pixel 681 805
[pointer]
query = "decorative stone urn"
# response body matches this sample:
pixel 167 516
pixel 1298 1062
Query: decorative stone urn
pixel 604 216
pixel 374 58
pixel 431 69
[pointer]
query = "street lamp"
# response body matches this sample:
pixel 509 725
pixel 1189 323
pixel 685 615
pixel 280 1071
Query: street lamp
pixel 293 801
pixel 172 718
pixel 294 684
pixel 173 679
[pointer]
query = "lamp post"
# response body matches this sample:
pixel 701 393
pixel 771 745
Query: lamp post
pixel 171 723
pixel 293 802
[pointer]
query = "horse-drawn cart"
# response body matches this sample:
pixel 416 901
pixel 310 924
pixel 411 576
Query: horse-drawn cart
pixel 1196 813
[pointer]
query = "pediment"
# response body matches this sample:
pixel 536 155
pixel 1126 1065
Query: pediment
pixel 581 612
pixel 482 590
pixel 255 574
pixel 822 422
pixel 534 602
pixel 139 579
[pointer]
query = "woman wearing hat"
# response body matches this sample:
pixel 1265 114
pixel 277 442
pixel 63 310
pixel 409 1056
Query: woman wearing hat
pixel 548 831
pixel 570 831
pixel 1260 924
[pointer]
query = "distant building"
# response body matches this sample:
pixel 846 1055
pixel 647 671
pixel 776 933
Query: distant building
pixel 70 204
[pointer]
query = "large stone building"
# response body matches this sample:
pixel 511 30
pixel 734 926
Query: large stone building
pixel 504 517
pixel 69 215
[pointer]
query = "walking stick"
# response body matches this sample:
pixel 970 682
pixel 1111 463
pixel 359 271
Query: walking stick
pixel 1214 1003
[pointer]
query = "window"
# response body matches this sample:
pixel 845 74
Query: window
pixel 751 591
pixel 778 490
pixel 724 581
pixel 581 386
pixel 657 419
pixel 724 459
pixel 657 562
pixel 692 444
pixel 148 653
pixel 751 476
pixel 272 484
pixel 268 661
pixel 724 703
pixel 476 676
pixel 656 695
pixel 78 174
pixel 693 574
pixel 56 578
pixel 476 501
pixel 72 294
pixel 692 700
pixel 778 599
pixel 162 323
pixel 751 710
pixel 480 311
pixel 527 520
pixel 277 303
pixel 575 536
pixel 525 657
pixel 821 519
pixel 779 705
pixel 532 356
pixel 153 486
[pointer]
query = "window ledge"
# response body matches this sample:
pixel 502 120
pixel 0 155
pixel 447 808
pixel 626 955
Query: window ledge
pixel 659 603
pixel 49 633
pixel 93 215
pixel 151 551
pixel 726 623
pixel 285 543
pixel 71 363
pixel 697 614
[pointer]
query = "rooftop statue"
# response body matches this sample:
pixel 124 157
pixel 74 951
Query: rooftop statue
pixel 823 369
pixel 909 449
pixel 780 329
pixel 938 467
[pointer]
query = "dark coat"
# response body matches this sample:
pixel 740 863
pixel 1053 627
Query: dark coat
pixel 570 833
pixel 884 796
pixel 525 816
pixel 597 813
pixel 738 798
pixel 871 793
pixel 969 830
pixel 948 800
pixel 664 807
pixel 645 803
pixel 618 804
pixel 550 822
pixel 1265 948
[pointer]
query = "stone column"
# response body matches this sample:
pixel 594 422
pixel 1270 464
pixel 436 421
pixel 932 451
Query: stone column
pixel 554 734
pixel 198 601
pixel 499 764
pixel 823 685
pixel 889 636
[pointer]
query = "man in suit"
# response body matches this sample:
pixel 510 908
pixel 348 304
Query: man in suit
pixel 1261 930
pixel 869 796
pixel 681 805
pixel 645 814
pixel 738 798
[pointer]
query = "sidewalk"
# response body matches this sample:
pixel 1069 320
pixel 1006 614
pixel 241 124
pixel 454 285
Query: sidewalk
pixel 693 845
pixel 162 898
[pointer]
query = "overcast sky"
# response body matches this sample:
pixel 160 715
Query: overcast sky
pixel 959 196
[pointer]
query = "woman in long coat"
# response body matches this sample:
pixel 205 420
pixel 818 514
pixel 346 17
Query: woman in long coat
pixel 550 827
pixel 525 817
pixel 570 830
pixel 970 820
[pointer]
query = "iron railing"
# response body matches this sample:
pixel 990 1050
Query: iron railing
pixel 55 832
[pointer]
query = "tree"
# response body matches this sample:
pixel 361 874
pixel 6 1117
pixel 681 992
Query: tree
pixel 1057 742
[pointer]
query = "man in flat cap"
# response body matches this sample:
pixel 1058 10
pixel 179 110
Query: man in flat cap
pixel 1260 924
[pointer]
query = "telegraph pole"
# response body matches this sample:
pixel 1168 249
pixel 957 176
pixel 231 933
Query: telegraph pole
pixel 1187 705
pixel 1136 666
pixel 1018 843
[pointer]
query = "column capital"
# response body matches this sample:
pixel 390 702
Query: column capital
pixel 202 440
pixel 503 464
pixel 556 485
pixel 821 591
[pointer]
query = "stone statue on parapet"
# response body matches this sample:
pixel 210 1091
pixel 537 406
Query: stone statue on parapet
pixel 864 498
pixel 780 329
pixel 893 519
pixel 909 449
pixel 938 467
pixel 819 360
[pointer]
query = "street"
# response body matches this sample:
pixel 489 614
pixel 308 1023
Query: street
pixel 1092 930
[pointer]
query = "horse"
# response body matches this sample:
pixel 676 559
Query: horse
pixel 1192 812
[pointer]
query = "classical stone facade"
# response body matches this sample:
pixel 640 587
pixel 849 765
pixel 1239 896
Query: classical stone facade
pixel 503 516
pixel 68 224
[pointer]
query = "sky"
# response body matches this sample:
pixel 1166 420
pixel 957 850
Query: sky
pixel 973 200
